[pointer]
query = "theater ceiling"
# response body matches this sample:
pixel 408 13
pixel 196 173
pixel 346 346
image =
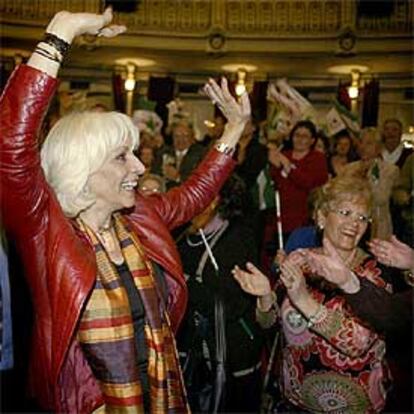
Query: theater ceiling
pixel 311 42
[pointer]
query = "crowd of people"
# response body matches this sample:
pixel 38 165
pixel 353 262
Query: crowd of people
pixel 167 273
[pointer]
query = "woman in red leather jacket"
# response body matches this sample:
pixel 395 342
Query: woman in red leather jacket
pixel 105 275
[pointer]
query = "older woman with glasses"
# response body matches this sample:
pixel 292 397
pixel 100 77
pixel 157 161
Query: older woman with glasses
pixel 332 362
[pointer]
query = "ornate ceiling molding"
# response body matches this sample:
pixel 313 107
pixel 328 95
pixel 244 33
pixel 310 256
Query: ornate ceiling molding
pixel 282 37
pixel 268 18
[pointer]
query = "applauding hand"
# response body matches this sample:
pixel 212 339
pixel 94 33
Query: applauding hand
pixel 252 280
pixel 393 253
pixel 331 267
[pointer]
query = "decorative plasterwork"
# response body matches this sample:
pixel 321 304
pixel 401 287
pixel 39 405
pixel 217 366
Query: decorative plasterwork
pixel 234 17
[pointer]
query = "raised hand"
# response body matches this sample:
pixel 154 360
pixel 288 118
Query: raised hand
pixel 281 96
pixel 393 253
pixel 236 113
pixel 252 280
pixel 68 25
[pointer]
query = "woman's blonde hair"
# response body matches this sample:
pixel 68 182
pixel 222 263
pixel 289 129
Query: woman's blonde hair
pixel 344 188
pixel 77 146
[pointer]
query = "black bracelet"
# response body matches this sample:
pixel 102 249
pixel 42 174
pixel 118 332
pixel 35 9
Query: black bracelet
pixel 59 44
pixel 45 53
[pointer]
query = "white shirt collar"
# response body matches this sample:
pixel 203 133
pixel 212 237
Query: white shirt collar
pixel 181 153
pixel 392 157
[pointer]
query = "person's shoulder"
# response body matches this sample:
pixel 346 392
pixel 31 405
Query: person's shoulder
pixel 240 228
pixel 165 149
pixel 198 147
pixel 317 155
pixel 408 151
pixel 409 160
pixel 411 155
pixel 302 237
pixel 351 167
pixel 408 166
pixel 389 168
pixel 303 230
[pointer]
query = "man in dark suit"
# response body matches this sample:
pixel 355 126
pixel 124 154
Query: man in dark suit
pixel 176 162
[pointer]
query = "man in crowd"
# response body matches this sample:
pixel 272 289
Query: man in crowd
pixel 394 151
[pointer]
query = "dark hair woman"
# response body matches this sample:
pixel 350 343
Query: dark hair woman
pixel 231 241
pixel 295 173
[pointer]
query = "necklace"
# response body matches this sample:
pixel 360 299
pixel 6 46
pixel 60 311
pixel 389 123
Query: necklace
pixel 108 238
pixel 106 227
pixel 109 241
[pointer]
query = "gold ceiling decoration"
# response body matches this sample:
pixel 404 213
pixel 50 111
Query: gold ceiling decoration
pixel 235 17
pixel 194 39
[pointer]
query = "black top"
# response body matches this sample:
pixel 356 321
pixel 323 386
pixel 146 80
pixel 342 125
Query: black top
pixel 236 245
pixel 389 314
pixel 138 321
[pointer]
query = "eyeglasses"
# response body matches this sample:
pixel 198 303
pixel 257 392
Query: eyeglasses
pixel 346 213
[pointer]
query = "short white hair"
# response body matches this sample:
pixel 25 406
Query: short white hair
pixel 76 147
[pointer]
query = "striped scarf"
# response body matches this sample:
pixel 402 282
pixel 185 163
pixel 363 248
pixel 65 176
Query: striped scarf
pixel 107 336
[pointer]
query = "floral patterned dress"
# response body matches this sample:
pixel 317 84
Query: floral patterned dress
pixel 336 365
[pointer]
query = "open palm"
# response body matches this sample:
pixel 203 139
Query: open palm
pixel 252 280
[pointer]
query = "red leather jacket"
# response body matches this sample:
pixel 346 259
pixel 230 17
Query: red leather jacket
pixel 59 262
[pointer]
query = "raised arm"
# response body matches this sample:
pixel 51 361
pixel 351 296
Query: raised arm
pixel 182 203
pixel 63 28
pixel 237 113
pixel 25 195
pixel 386 313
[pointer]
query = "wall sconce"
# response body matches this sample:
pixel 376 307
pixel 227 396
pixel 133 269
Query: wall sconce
pixel 353 90
pixel 241 82
pixel 129 86
pixel 130 82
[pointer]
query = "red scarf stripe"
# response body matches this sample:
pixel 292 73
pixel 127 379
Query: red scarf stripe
pixel 124 402
pixel 141 273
